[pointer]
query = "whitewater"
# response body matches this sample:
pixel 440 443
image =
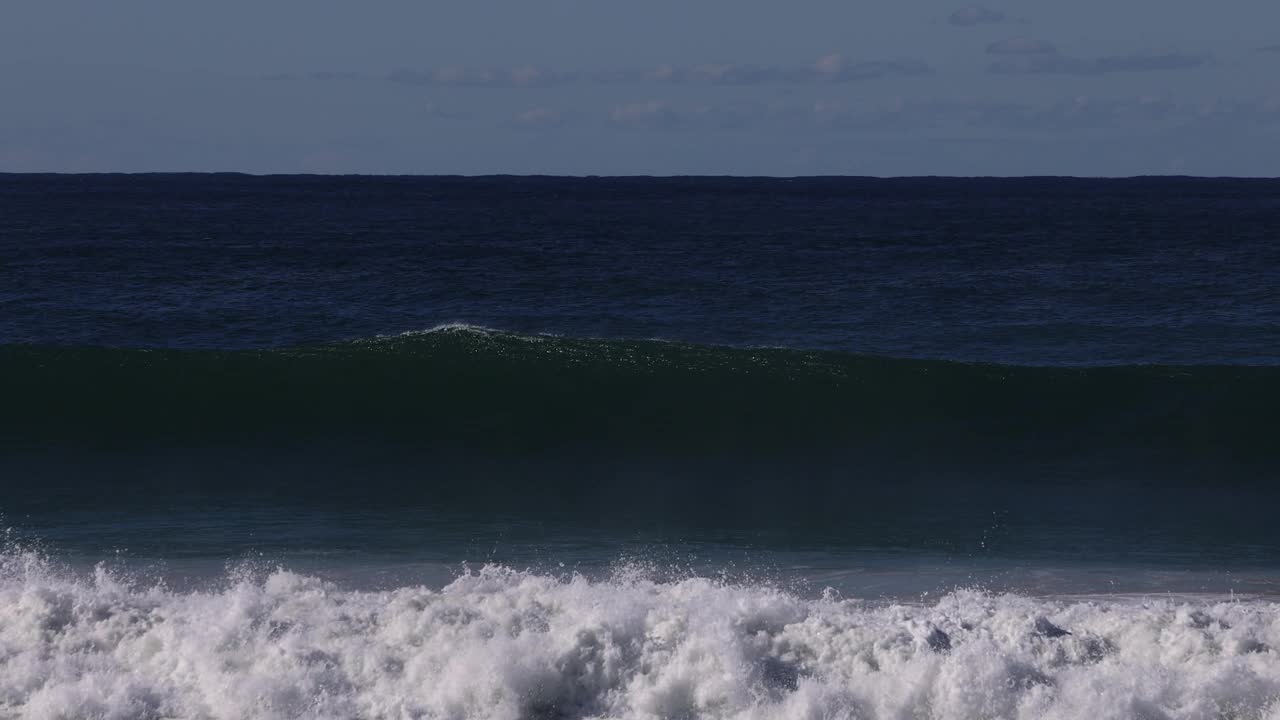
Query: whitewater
pixel 499 643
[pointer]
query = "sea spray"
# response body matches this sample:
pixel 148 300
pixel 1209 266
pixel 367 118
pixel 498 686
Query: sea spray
pixel 502 643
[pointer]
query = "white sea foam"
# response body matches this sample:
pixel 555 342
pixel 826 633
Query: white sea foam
pixel 451 327
pixel 497 643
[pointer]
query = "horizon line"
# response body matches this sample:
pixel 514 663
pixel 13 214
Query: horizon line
pixel 624 176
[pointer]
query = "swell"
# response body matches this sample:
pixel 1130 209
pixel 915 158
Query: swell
pixel 463 389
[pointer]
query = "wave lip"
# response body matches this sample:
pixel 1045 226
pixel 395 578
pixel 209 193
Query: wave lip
pixel 499 643
pixel 462 388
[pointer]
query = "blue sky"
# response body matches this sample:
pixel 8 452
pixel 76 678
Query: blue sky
pixel 871 87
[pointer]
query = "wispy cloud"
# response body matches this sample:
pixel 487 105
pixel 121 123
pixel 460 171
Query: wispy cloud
pixel 665 115
pixel 1270 49
pixel 924 115
pixel 541 117
pixel 649 114
pixel 1021 46
pixel 976 15
pixel 331 76
pixel 830 68
pixel 1051 63
pixel 478 77
pixel 833 68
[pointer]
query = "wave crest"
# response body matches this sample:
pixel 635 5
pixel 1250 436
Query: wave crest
pixel 463 388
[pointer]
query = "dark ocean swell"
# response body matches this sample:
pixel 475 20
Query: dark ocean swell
pixel 464 390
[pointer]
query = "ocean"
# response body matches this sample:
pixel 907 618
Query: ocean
pixel 549 448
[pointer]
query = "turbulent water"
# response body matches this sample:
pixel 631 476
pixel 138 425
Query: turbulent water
pixel 499 643
pixel 539 448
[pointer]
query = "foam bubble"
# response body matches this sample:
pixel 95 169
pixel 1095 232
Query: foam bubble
pixel 497 643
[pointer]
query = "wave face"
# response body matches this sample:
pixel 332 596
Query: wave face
pixel 501 644
pixel 468 389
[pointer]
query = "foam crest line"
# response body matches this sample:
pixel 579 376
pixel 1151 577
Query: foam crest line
pixel 501 644
pixel 459 387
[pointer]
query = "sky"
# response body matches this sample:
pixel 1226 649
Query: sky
pixel 663 87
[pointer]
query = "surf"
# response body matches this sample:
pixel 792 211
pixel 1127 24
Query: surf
pixel 498 642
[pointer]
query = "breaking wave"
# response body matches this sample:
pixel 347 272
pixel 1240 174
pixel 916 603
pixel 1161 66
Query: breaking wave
pixel 498 643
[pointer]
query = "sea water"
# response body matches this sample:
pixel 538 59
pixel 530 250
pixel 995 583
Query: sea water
pixel 638 448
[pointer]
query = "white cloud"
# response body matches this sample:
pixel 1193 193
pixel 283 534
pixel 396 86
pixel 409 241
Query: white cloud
pixel 976 15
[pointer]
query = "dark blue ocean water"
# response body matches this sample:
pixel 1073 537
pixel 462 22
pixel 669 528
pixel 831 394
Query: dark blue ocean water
pixel 1046 384
pixel 1024 271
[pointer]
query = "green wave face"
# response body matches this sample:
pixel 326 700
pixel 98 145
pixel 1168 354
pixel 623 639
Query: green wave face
pixel 467 390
